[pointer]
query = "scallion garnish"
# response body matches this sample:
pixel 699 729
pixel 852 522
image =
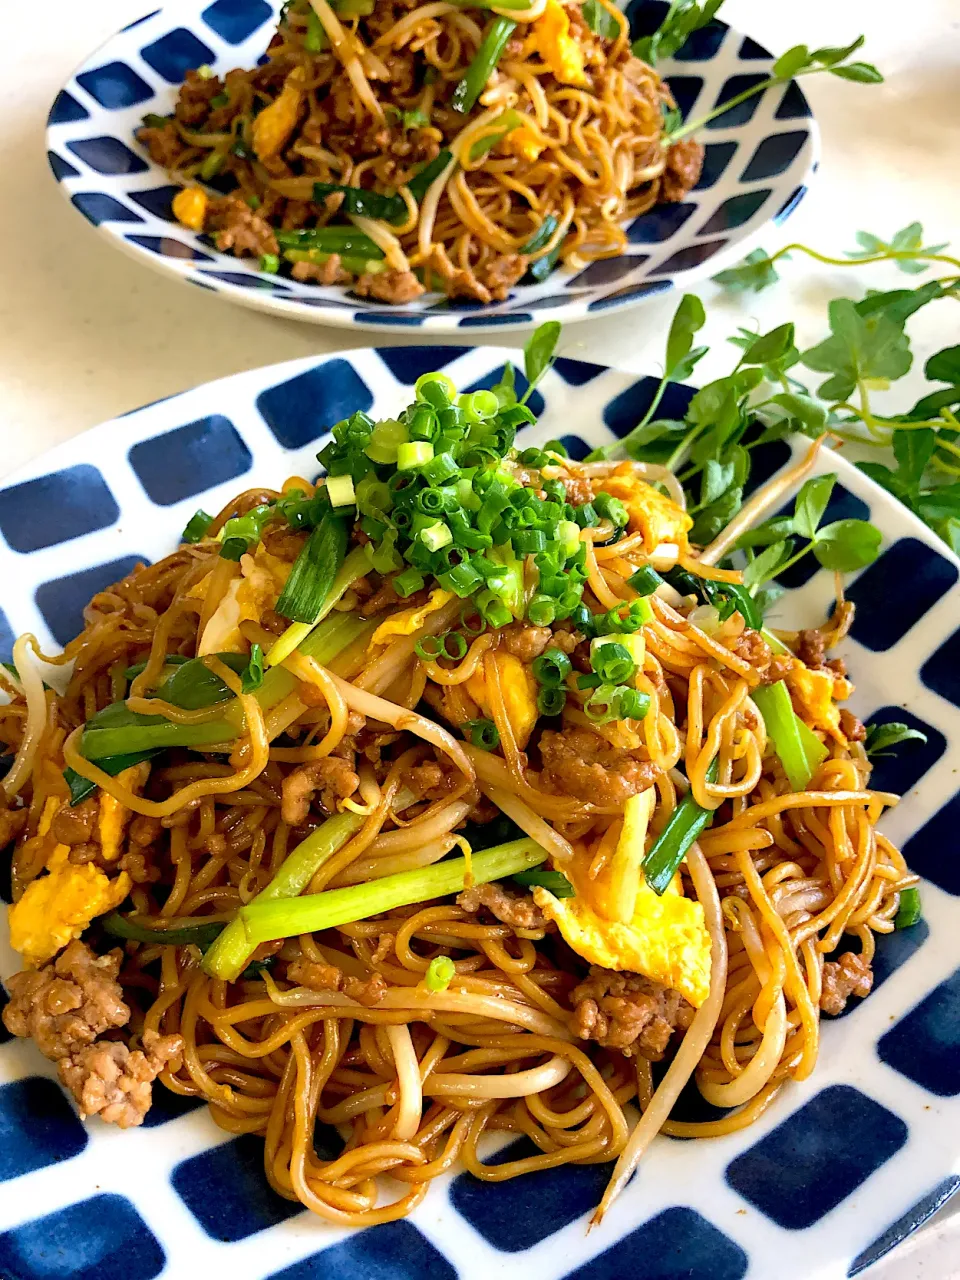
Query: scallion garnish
pixel 481 733
pixel 555 881
pixel 440 973
pixel 313 571
pixel 251 678
pixel 197 526
pixel 684 825
pixel 551 700
pixel 552 668
pixel 645 581
pixel 910 911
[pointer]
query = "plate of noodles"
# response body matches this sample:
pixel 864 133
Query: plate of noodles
pixel 413 868
pixel 373 163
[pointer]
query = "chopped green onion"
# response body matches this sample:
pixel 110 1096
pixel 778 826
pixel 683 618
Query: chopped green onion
pixel 132 733
pixel 202 934
pixel 406 583
pixel 645 581
pixel 540 239
pixel 435 536
pixel 298 634
pixel 169 660
pixel 360 200
pixel 421 182
pixel 229 955
pixel 414 454
pixel 269 263
pixel 625 619
pixel 206 72
pixel 479 406
pixel 568 534
pixel 385 440
pixel 193 686
pixel 268 921
pixel 557 447
pixel 251 678
pixel 586 516
pixel 440 973
pixel 314 571
pixel 612 509
pixel 542 610
pixel 552 668
pixel 481 733
pixel 449 645
pixel 507 122
pixel 441 468
pixel 462 579
pixel 611 702
pixel 197 526
pixel 242 533
pixel 483 65
pixel 910 911
pixel 357 266
pixel 612 662
pixel 799 762
pixel 551 701
pixel 345 241
pixel 527 542
pixel 315 40
pixel 555 881
pixel 340 491
pixel 81 787
pixel 684 826
pixel 436 389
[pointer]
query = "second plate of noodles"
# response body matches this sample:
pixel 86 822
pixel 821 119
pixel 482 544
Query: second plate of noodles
pixel 455 794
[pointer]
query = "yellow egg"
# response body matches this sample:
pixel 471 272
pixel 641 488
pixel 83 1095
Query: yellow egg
pixel 274 125
pixel 407 621
pixel 519 687
pixel 525 142
pixel 651 512
pixel 813 697
pixel 550 38
pixel 114 816
pixel 57 907
pixel 190 207
pixel 667 940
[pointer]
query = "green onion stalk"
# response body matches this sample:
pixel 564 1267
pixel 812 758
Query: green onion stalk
pixel 267 921
pixel 231 952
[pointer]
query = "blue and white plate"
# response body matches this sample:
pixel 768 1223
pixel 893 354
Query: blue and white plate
pixel 837 1171
pixel 760 158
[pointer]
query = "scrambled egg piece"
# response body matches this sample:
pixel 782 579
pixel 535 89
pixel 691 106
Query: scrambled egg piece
pixel 114 816
pixel 667 940
pixel 550 37
pixel 813 693
pixel 274 125
pixel 407 621
pixel 525 141
pixel 190 207
pixel 653 513
pixel 262 578
pixel 58 907
pixel 519 687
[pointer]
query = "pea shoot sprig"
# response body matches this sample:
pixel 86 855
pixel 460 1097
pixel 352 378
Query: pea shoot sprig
pixel 764 398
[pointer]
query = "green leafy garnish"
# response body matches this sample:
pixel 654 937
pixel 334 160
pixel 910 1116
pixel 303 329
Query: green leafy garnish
pixel 882 738
pixel 910 910
pixel 681 20
pixel 600 20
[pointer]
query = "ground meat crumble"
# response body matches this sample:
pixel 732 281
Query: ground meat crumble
pixel 848 975
pixel 629 1012
pixel 578 762
pixel 519 910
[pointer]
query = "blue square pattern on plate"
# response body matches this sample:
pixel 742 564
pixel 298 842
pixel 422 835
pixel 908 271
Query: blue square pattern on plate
pixel 552 1199
pixel 676 1243
pixel 925 1045
pixel 115 85
pixel 393 1251
pixel 925 849
pixel 37 1127
pixel 688 1235
pixel 74 501
pixel 97 207
pixel 227 1191
pixel 182 463
pixel 807 1165
pixel 103 1238
pixel 714 65
pixel 236 20
pixel 897 590
pixel 63 600
pixel 305 408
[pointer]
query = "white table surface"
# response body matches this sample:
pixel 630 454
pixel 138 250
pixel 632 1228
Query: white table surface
pixel 86 333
